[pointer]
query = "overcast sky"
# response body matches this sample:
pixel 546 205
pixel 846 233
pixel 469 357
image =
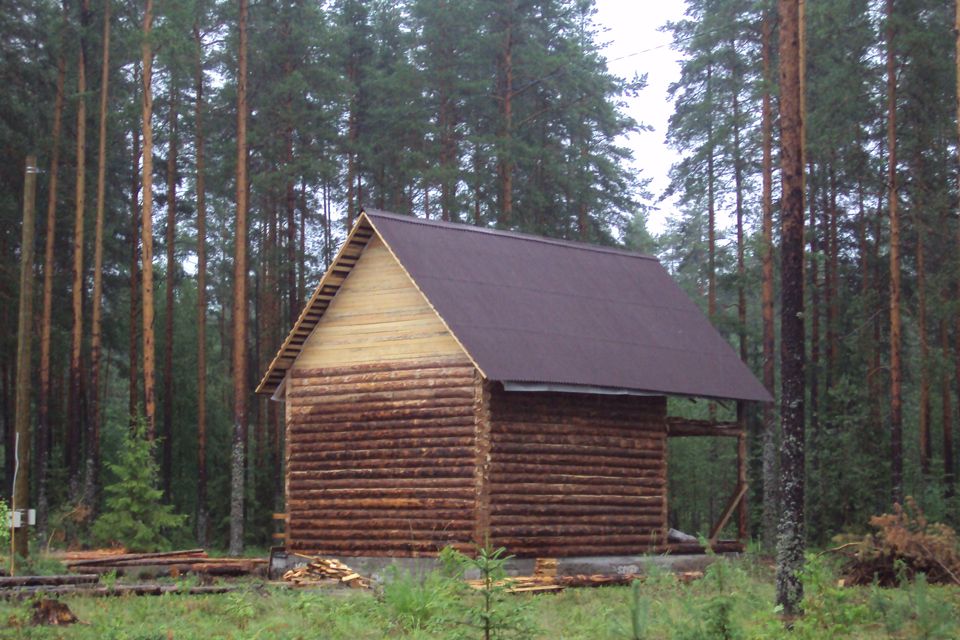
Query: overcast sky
pixel 636 45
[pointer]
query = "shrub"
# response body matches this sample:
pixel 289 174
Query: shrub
pixel 134 515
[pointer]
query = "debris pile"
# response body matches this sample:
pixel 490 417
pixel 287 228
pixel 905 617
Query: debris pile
pixel 325 570
pixel 905 544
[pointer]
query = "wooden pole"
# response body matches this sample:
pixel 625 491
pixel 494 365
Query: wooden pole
pixel 742 510
pixel 21 482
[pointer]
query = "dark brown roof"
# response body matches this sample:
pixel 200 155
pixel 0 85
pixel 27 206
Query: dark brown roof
pixel 534 310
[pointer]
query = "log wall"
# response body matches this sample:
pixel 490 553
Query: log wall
pixel 381 458
pixel 575 474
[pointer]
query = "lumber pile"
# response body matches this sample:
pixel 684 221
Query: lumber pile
pixel 325 570
pixel 172 563
pixel 545 582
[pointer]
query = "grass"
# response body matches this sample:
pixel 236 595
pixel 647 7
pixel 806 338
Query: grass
pixel 734 600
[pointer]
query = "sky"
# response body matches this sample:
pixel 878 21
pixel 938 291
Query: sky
pixel 636 45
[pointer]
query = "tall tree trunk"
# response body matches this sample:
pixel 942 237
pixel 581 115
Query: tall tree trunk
pixel 926 448
pixel 134 362
pixel 167 469
pixel 353 135
pixel 738 192
pixel 240 300
pixel 949 477
pixel 896 373
pixel 769 338
pixel 149 354
pixel 302 248
pixel 43 401
pixel 92 477
pixel 21 487
pixel 75 417
pixel 293 309
pixel 947 413
pixel 711 248
pixel 833 271
pixel 505 98
pixel 790 546
pixel 202 514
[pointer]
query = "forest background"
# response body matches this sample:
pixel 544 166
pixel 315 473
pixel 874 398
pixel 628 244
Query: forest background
pixel 252 135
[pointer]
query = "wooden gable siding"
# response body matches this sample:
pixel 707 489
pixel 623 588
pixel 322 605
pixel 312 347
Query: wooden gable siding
pixel 378 315
pixel 576 474
pixel 381 458
pixel 380 423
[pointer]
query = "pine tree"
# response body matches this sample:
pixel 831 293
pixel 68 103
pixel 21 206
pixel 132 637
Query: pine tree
pixel 790 545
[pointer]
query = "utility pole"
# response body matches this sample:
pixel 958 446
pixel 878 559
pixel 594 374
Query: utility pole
pixel 21 478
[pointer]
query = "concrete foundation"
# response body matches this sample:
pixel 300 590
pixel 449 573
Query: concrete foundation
pixel 376 568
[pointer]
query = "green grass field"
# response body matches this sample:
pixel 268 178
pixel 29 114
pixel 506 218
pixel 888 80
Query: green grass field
pixel 734 600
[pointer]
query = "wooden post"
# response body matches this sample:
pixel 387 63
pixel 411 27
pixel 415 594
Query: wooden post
pixel 21 482
pixel 742 513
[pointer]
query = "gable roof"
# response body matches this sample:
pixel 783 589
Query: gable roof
pixel 528 309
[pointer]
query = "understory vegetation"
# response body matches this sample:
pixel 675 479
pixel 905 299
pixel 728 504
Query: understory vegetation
pixel 733 600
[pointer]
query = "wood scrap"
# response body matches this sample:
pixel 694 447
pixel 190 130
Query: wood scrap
pixel 322 570
pixel 545 567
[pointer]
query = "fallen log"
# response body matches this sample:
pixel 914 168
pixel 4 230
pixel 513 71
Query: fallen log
pixel 32 581
pixel 24 593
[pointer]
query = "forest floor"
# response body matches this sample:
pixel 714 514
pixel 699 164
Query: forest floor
pixel 733 600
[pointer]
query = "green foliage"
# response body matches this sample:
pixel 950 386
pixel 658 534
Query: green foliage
pixel 4 530
pixel 492 613
pixel 419 602
pixel 639 612
pixel 134 513
pixel 830 609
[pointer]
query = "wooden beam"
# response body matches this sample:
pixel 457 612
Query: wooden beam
pixel 728 511
pixel 683 427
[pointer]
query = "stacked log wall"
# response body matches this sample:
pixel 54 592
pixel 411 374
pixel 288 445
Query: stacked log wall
pixel 381 458
pixel 577 474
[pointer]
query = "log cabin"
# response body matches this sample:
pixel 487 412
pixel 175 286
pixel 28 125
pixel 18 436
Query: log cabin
pixel 454 385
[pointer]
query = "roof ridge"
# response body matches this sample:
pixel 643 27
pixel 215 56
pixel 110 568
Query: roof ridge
pixel 517 235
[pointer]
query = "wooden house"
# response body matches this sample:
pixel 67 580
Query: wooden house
pixel 452 385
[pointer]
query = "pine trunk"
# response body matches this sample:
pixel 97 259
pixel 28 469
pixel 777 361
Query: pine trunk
pixel 240 301
pixel 926 448
pixel 75 410
pixel 947 414
pixel 167 469
pixel 769 455
pixel 505 159
pixel 896 373
pixel 790 546
pixel 92 475
pixel 43 401
pixel 134 361
pixel 202 515
pixel 149 354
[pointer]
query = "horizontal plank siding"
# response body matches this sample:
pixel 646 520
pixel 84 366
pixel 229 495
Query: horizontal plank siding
pixel 381 458
pixel 577 474
pixel 378 315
